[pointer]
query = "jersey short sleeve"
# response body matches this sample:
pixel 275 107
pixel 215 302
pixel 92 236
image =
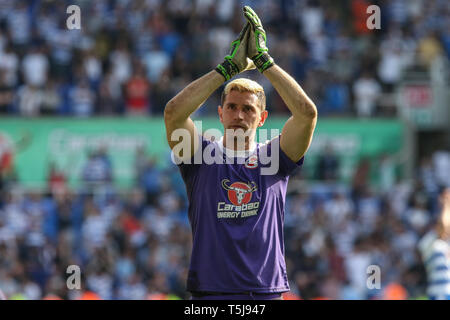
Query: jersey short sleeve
pixel 191 164
pixel 286 166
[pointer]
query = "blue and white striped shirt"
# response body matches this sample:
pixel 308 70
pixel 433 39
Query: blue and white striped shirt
pixel 436 256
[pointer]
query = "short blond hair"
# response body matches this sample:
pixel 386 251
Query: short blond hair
pixel 246 85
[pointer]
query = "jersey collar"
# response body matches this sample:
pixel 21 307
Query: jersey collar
pixel 233 153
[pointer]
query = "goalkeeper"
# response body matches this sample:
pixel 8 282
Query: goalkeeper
pixel 236 212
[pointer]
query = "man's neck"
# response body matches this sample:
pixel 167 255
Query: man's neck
pixel 238 145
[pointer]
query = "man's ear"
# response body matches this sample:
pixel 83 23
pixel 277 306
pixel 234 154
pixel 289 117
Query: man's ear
pixel 263 118
pixel 219 111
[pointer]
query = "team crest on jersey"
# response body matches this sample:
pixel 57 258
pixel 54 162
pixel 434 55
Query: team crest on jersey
pixel 239 193
pixel 252 162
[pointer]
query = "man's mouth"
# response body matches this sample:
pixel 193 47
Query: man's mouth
pixel 236 127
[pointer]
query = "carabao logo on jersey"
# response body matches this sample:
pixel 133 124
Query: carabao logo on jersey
pixel 239 193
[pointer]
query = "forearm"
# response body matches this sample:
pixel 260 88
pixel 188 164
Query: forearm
pixel 187 101
pixel 444 222
pixel 300 105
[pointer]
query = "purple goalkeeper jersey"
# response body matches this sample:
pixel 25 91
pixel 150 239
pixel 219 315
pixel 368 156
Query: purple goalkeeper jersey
pixel 237 216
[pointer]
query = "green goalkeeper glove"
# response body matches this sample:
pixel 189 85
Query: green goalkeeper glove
pixel 237 60
pixel 257 45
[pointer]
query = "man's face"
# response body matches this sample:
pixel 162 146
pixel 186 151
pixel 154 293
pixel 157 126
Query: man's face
pixel 240 110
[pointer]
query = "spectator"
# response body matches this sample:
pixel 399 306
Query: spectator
pixel 29 100
pixel 51 98
pixel 133 289
pixel 417 216
pixel 342 63
pixel 82 99
pixel 19 25
pixel 356 266
pixel 427 175
pixel 387 173
pixel 57 181
pixel 110 95
pixel 393 60
pixel 121 62
pixel 92 67
pixel 6 94
pixel 150 181
pixel 327 165
pixel 366 91
pixel 318 46
pixel 429 48
pixel 9 64
pixel 156 61
pixel 35 67
pixel 137 93
pixel 94 227
pixel 336 97
pixel 311 18
pixel 61 43
pixel 97 171
pixel 360 179
pixel 338 209
pixel 101 282
pixel 441 164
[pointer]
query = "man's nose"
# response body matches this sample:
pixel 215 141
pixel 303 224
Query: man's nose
pixel 239 114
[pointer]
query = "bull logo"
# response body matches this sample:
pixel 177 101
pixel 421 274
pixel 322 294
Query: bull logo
pixel 239 193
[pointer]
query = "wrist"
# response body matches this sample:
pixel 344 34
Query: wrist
pixel 227 69
pixel 263 61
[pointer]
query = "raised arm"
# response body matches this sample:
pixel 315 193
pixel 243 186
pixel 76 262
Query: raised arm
pixel 179 109
pixel 443 226
pixel 298 130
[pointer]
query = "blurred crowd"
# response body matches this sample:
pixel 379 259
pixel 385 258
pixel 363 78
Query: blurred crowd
pixel 136 244
pixel 132 244
pixel 338 235
pixel 132 56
